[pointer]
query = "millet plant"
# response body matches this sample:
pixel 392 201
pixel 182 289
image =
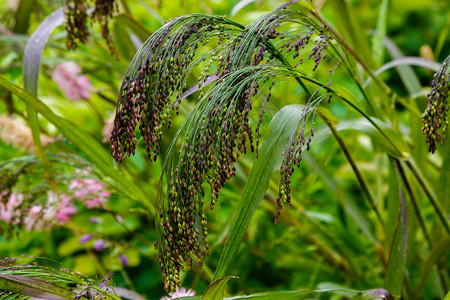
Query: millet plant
pixel 239 71
pixel 244 61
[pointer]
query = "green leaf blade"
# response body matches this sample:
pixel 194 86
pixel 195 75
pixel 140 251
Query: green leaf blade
pixel 398 253
pixel 216 289
pixel 276 137
pixel 34 288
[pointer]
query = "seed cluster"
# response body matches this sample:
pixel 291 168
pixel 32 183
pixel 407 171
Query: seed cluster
pixel 435 117
pixel 26 203
pixel 103 12
pixel 300 41
pixel 219 128
pixel 76 23
pixel 158 70
pixel 292 155
pixel 77 17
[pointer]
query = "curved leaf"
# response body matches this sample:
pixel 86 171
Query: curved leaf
pixel 407 61
pixel 304 294
pixel 31 63
pixel 277 135
pixel 216 289
pixel 35 46
pixel 283 295
pixel 377 46
pixel 34 287
pixel 398 253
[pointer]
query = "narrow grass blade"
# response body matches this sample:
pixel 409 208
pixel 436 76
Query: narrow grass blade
pixel 406 61
pixel 277 135
pixel 283 295
pixel 32 60
pixel 294 295
pixel 362 182
pixel 413 86
pixel 378 46
pixel 34 287
pixel 216 289
pixel 87 144
pixel 410 61
pixel 151 11
pixel 35 46
pixel 398 253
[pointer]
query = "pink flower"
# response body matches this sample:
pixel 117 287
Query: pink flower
pixel 33 219
pixel 90 191
pixel 75 86
pixel 8 210
pixel 64 210
pixel 179 292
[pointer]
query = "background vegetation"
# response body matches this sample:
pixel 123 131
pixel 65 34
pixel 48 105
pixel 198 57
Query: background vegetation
pixel 369 210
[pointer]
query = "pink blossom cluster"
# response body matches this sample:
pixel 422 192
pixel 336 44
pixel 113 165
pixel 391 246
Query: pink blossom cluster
pixel 179 292
pixel 74 85
pixel 36 217
pixel 8 208
pixel 90 192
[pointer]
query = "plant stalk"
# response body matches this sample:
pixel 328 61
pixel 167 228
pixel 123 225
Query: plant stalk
pixel 431 196
pixel 362 182
pixel 414 202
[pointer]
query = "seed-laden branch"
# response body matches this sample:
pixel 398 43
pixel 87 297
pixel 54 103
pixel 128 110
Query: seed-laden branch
pixel 435 117
pixel 78 14
pixel 245 60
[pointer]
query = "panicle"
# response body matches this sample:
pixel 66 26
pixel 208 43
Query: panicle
pixel 435 117
pixel 152 90
pixel 77 17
